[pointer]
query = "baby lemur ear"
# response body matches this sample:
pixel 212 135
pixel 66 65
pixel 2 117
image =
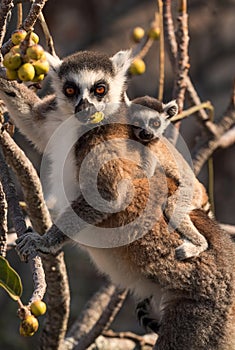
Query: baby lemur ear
pixel 54 62
pixel 122 61
pixel 171 109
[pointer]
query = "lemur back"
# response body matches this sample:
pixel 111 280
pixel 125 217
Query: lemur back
pixel 150 118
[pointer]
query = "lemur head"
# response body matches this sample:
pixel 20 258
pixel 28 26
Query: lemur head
pixel 89 81
pixel 150 117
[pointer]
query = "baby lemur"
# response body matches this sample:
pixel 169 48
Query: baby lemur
pixel 123 226
pixel 150 119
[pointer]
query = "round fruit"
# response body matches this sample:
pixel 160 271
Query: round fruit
pixel 137 34
pixel 12 60
pixel 154 33
pixel 137 67
pixel 11 74
pixel 26 72
pixel 38 308
pixel 15 49
pixel 38 78
pixel 18 36
pixel 34 37
pixel 29 326
pixel 35 52
pixel 41 67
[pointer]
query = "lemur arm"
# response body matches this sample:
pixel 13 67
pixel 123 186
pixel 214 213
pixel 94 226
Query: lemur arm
pixel 28 111
pixel 67 227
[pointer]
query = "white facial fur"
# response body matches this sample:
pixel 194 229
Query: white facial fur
pixel 86 78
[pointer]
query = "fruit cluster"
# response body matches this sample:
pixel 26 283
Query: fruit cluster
pixel 26 61
pixel 138 65
pixel 29 325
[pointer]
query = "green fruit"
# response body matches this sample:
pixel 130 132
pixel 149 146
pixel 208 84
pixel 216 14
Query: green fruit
pixel 137 67
pixel 29 326
pixel 38 308
pixel 41 67
pixel 12 60
pixel 15 49
pixel 137 34
pixel 18 36
pixel 11 74
pixel 38 78
pixel 154 33
pixel 34 37
pixel 35 52
pixel 26 72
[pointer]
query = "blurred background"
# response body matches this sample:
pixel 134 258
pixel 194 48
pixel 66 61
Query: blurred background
pixel 106 26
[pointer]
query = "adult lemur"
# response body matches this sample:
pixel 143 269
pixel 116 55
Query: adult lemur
pixel 194 298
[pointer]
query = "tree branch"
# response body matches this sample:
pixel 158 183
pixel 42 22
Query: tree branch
pixel 207 145
pixel 95 317
pixel 3 222
pixel 5 10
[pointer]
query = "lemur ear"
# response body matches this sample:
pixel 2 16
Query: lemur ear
pixel 54 62
pixel 171 109
pixel 122 61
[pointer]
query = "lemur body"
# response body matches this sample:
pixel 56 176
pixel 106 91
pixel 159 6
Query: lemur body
pixel 189 295
pixel 150 118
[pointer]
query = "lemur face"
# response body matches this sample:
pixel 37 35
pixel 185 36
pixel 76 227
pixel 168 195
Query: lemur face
pixel 150 117
pixel 87 82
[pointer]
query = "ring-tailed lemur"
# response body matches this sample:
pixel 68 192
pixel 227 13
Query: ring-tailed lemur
pixel 84 83
pixel 189 295
pixel 150 119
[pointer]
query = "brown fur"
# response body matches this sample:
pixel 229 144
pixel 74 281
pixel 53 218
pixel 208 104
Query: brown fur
pixel 197 295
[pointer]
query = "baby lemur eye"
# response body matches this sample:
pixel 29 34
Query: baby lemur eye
pixel 100 90
pixel 155 123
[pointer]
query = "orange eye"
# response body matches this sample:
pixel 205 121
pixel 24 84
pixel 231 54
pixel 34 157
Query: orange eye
pixel 70 91
pixel 156 124
pixel 100 90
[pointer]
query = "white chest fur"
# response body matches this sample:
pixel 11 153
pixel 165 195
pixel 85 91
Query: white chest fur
pixel 61 186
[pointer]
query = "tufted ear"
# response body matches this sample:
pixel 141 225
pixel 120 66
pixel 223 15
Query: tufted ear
pixel 171 109
pixel 122 61
pixel 54 62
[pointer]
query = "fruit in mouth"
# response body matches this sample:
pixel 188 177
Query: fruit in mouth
pixel 97 117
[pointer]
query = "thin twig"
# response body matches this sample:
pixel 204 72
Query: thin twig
pixel 142 50
pixel 19 15
pixel 161 53
pixel 192 110
pixel 3 222
pixel 207 145
pixel 149 341
pixel 48 37
pixel 182 60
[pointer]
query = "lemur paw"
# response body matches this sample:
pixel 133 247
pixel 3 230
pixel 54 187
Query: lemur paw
pixel 188 250
pixel 28 244
pixel 143 310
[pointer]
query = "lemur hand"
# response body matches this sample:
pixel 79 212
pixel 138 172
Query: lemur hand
pixel 30 243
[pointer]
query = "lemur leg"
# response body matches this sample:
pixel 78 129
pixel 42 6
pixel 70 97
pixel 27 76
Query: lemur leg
pixel 177 212
pixel 28 111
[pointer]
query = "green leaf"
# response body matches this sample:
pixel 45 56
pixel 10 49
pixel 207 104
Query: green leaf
pixel 10 280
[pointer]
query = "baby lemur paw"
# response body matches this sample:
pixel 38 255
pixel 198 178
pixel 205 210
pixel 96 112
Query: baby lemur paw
pixel 143 312
pixel 188 250
pixel 28 244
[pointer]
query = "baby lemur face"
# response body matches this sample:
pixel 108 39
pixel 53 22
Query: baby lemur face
pixel 150 117
pixel 87 82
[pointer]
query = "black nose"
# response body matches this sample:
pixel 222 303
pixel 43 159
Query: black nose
pixel 83 104
pixel 145 135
